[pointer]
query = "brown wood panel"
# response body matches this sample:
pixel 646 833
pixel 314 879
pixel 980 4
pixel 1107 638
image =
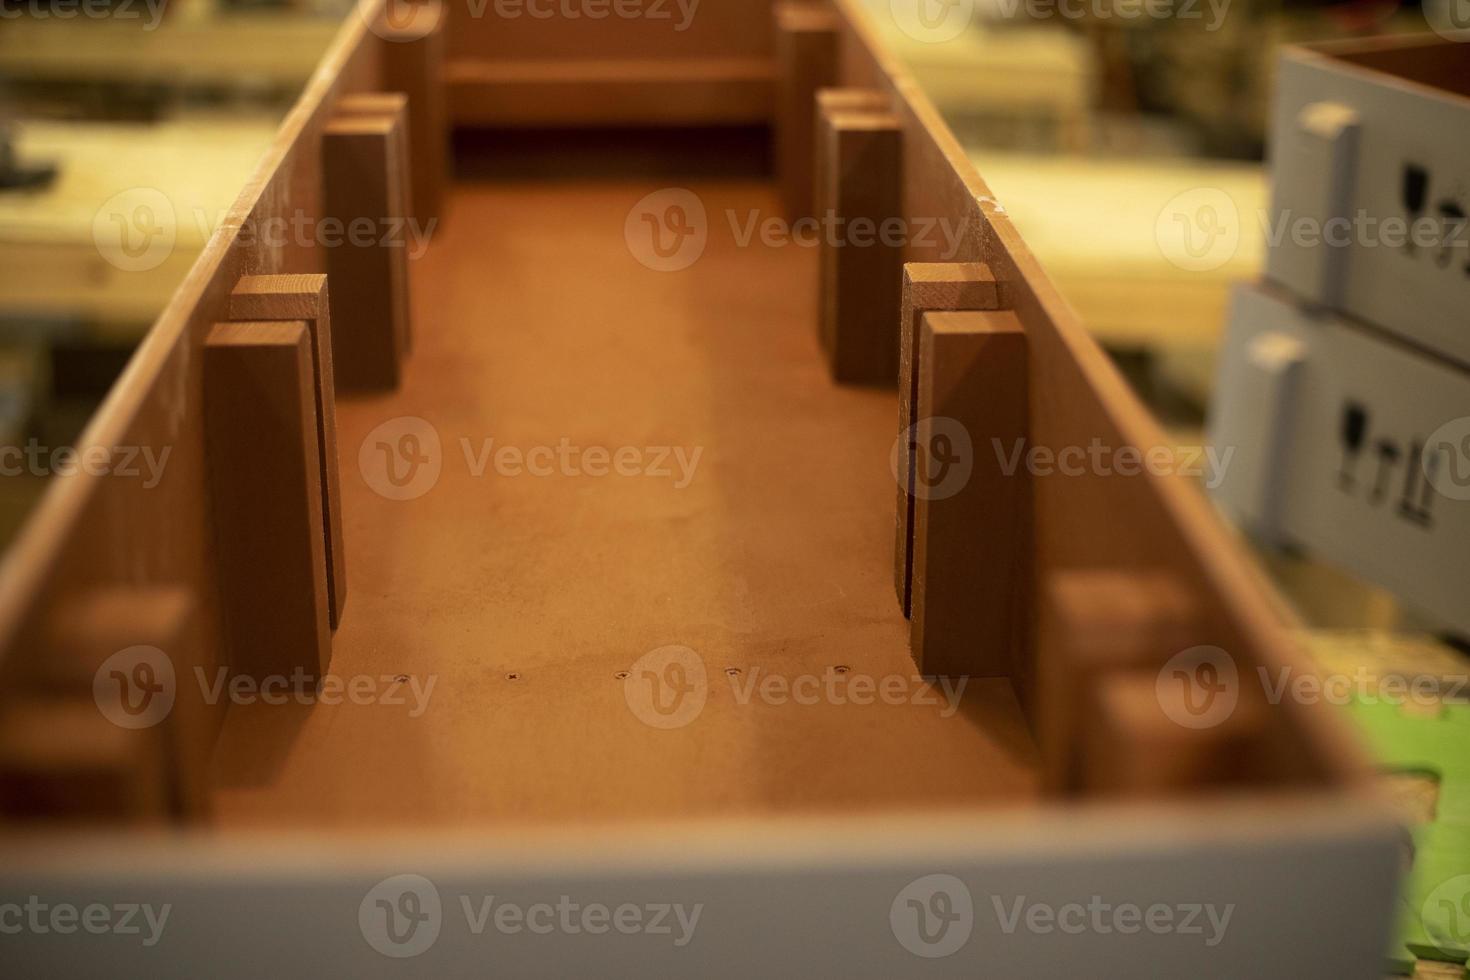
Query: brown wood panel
pixel 265 472
pixel 970 530
pixel 1150 522
pixel 927 287
pixel 96 531
pixel 807 36
pixel 305 297
pixel 611 92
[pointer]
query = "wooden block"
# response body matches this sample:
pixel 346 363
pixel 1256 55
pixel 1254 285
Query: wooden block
pixel 1132 745
pixel 1093 622
pixel 413 63
pixel 970 528
pixel 88 635
pixel 264 463
pixel 859 188
pixel 807 51
pixel 927 287
pixel 637 91
pixel 392 109
pixel 62 761
pixel 364 186
pixel 305 298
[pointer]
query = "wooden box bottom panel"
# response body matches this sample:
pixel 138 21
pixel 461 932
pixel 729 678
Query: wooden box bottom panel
pixel 617 546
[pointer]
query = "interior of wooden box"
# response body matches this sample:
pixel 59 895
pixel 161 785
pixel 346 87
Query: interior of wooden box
pixel 766 548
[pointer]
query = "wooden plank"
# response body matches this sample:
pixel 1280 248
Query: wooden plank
pixel 265 469
pixel 858 193
pixel 413 63
pixel 611 92
pixel 1134 745
pixel 927 287
pixel 63 763
pixel 364 187
pixel 806 61
pixel 119 647
pixel 305 298
pixel 970 520
pixel 1097 622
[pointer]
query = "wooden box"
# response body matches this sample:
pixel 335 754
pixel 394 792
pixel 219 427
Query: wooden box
pixel 389 683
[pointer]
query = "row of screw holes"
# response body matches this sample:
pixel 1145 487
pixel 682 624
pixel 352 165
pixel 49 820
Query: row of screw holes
pixel 623 675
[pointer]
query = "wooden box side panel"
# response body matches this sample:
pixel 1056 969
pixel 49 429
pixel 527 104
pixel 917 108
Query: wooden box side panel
pixel 1147 522
pixel 99 531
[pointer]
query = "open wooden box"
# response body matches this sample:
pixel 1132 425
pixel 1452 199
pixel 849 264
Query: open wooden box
pixel 546 610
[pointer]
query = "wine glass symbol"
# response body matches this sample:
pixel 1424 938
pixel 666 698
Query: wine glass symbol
pixel 1354 431
pixel 1416 189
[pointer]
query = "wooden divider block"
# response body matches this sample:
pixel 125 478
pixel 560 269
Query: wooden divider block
pixel 85 636
pixel 927 287
pixel 859 194
pixel 265 477
pixel 807 51
pixel 305 298
pixel 1095 622
pixel 971 530
pixel 62 761
pixel 364 187
pixel 1133 745
pixel 413 63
